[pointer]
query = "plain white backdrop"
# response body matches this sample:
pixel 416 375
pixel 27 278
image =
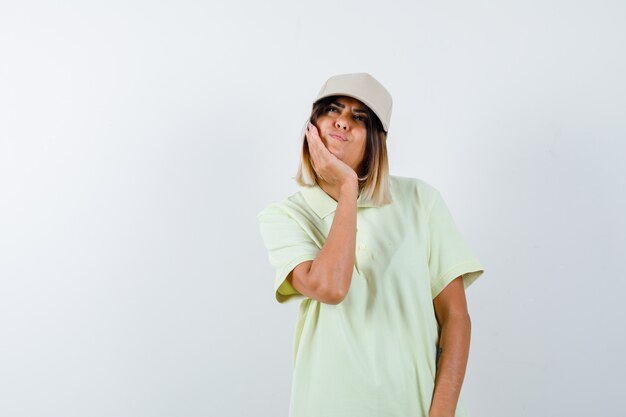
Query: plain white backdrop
pixel 139 139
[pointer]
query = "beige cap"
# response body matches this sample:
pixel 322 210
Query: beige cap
pixel 363 87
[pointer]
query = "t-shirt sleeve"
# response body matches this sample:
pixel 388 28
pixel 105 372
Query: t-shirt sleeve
pixel 449 255
pixel 287 244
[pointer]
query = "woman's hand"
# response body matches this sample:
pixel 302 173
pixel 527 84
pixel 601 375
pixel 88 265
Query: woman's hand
pixel 332 169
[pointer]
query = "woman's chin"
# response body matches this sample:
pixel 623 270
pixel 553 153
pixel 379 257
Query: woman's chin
pixel 336 152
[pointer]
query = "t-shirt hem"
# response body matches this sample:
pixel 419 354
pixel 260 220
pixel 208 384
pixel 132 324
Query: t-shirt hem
pixel 469 270
pixel 283 290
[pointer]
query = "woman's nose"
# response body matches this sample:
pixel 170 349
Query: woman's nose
pixel 341 123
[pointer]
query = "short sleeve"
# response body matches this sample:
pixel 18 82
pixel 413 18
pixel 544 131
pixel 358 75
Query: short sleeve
pixel 449 255
pixel 287 244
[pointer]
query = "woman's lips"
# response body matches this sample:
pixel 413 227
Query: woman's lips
pixel 338 137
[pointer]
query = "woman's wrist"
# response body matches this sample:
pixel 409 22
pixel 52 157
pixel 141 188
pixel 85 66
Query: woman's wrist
pixel 349 188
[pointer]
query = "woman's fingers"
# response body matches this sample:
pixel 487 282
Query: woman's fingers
pixel 313 136
pixel 316 146
pixel 315 149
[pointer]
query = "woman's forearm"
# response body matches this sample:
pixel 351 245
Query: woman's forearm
pixel 334 264
pixel 453 352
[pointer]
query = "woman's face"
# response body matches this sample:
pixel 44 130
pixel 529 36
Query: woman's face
pixel 343 129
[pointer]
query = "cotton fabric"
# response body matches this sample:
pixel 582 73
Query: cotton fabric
pixel 373 354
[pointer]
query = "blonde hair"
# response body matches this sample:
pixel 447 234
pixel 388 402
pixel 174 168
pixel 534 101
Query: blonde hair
pixel 373 171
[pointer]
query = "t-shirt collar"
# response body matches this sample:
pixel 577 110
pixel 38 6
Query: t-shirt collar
pixel 322 203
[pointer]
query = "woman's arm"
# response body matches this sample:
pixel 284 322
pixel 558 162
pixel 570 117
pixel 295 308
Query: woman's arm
pixel 453 350
pixel 328 277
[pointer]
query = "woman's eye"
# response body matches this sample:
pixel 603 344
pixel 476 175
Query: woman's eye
pixel 360 118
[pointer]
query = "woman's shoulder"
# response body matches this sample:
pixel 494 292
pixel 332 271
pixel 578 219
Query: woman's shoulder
pixel 292 205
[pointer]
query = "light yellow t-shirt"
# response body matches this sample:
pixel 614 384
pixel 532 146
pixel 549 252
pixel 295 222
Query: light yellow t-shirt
pixel 373 354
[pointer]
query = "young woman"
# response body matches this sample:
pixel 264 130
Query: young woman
pixel 378 265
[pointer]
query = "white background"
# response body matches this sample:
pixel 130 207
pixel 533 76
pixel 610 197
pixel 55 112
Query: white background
pixel 139 139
